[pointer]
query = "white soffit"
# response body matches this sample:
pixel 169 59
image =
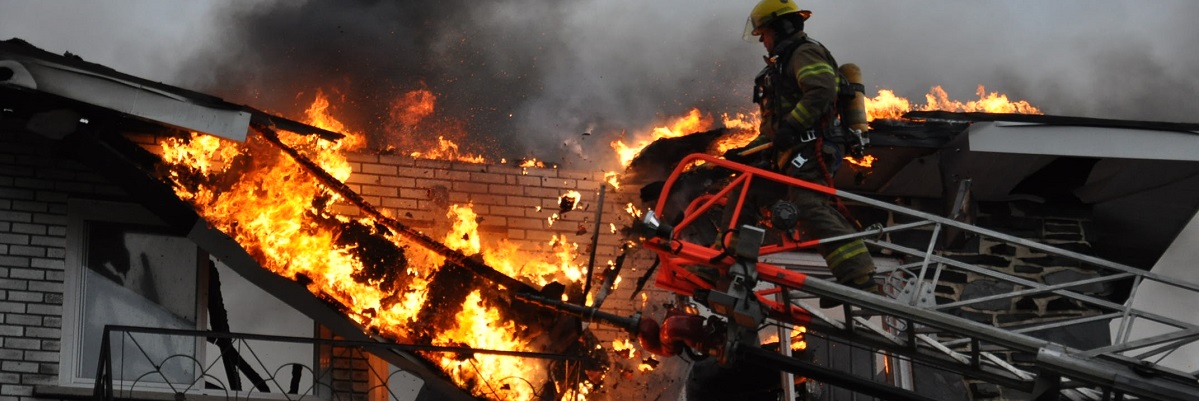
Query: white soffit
pixel 1065 140
pixel 1178 262
pixel 128 97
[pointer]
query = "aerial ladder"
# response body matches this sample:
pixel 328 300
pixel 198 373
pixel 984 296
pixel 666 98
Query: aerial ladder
pixel 906 326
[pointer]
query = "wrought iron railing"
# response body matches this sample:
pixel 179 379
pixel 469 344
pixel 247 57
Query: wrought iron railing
pixel 138 367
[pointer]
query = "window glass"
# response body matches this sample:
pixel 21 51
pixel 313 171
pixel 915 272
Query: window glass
pixel 135 275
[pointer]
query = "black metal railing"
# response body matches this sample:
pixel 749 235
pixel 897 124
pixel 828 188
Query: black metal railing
pixel 141 367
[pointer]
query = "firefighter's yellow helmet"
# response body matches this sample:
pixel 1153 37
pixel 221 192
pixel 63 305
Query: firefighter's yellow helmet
pixel 766 12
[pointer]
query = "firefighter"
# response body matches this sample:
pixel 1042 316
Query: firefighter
pixel 796 94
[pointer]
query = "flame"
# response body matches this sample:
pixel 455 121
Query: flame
pixel 410 115
pixel 647 364
pixel 482 327
pixel 624 348
pixel 889 106
pixel 532 163
pixel 694 121
pixel 743 129
pixel 632 210
pixel 318 116
pixel 412 108
pixel 276 210
pixel 569 200
pixel 464 234
pixel 447 150
pixel 612 178
pixel 797 338
pixel 866 161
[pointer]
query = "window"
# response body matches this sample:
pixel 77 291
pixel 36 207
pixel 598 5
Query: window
pixel 123 268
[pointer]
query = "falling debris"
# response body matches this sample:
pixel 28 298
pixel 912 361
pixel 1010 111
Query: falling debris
pixel 568 201
pixel 648 364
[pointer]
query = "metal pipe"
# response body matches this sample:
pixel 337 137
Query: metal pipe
pixel 599 215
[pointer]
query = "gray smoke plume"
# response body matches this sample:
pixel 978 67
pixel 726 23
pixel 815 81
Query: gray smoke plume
pixel 551 80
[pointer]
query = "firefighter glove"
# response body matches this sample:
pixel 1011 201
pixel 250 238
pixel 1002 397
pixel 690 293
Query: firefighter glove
pixel 734 155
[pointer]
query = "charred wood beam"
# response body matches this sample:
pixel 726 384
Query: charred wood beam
pixel 218 317
pixel 453 256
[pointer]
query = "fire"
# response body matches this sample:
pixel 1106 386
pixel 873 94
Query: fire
pixel 410 109
pixel 743 129
pixel 464 236
pixel 797 338
pixel 279 213
pixel 632 210
pixel 532 163
pixel 624 348
pixel 319 116
pixel 410 115
pixel 866 161
pixel 889 106
pixel 482 326
pixel 612 178
pixel 694 121
pixel 447 150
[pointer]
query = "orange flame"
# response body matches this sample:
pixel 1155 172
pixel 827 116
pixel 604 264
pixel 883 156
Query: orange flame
pixel 269 209
pixel 797 338
pixel 319 116
pixel 411 114
pixel 447 150
pixel 410 109
pixel 866 161
pixel 743 129
pixel 889 106
pixel 694 121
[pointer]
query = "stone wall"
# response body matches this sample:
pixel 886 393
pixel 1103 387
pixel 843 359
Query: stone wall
pixel 1066 227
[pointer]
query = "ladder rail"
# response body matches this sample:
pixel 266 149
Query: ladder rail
pixel 1105 367
pixel 1063 292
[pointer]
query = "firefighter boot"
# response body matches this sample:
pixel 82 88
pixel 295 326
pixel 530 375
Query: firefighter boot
pixel 852 265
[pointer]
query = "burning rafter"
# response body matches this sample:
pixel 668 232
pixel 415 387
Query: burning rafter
pixel 272 195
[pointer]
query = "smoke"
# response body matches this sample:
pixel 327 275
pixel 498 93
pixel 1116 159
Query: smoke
pixel 525 78
pixel 513 79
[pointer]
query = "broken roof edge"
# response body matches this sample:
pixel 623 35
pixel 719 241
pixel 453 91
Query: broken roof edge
pixel 23 65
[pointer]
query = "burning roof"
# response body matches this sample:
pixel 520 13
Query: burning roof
pixel 272 196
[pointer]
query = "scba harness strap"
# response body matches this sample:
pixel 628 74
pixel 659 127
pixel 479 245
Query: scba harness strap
pixel 769 91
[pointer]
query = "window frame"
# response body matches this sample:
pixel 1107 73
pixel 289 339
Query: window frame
pixel 79 213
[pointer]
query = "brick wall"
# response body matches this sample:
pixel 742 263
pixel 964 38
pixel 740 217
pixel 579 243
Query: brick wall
pixel 34 188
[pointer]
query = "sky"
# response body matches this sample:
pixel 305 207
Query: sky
pixel 526 78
